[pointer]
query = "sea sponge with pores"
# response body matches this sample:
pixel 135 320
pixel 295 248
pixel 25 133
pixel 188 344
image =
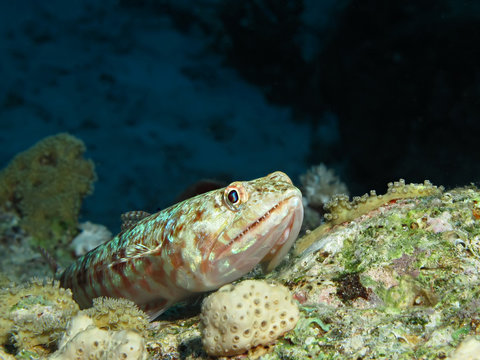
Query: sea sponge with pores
pixel 250 313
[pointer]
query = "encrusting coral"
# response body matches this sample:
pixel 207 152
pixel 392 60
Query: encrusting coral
pixel 34 315
pixel 238 317
pixel 85 341
pixel 45 186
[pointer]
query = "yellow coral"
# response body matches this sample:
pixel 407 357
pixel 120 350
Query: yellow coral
pixel 45 186
pixel 34 315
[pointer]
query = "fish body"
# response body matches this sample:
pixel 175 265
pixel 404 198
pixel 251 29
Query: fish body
pixel 194 246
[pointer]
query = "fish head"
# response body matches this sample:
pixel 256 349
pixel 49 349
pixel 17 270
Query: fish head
pixel 251 222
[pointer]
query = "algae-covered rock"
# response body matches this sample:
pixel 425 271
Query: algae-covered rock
pixel 398 282
pixel 45 186
pixel 17 246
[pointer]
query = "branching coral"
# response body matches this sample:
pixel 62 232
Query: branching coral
pixel 320 184
pixel 91 236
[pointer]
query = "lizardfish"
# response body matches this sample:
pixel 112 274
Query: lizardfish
pixel 194 246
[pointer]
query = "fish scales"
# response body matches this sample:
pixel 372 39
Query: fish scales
pixel 194 246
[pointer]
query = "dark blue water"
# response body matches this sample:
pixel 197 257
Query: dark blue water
pixel 165 93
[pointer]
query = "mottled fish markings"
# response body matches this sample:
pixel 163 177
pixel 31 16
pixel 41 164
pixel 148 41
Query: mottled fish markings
pixel 194 246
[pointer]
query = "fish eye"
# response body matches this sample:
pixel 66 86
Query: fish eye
pixel 235 196
pixel 232 196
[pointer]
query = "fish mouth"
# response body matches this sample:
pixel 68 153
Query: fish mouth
pixel 254 224
pixel 254 244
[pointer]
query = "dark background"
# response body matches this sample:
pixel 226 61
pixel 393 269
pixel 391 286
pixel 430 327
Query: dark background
pixel 165 93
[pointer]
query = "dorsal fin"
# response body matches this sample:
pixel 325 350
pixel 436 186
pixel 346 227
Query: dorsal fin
pixel 50 260
pixel 130 218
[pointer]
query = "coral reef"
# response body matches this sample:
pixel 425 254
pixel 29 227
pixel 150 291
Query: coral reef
pixel 250 313
pixel 84 341
pixel 34 315
pixel 45 185
pixel 397 279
